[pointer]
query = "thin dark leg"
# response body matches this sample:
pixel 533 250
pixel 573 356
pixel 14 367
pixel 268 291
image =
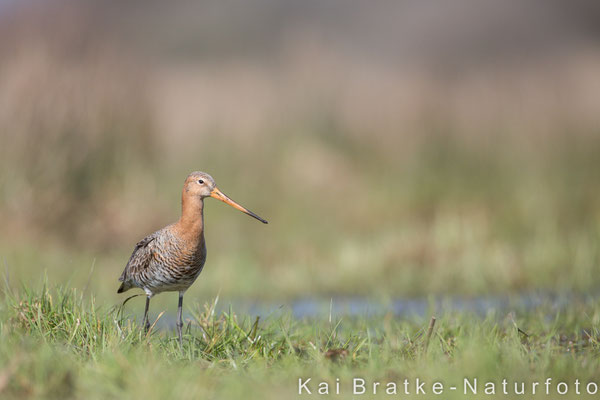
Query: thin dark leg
pixel 146 322
pixel 179 318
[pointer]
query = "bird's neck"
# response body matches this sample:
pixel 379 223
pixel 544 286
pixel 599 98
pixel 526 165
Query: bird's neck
pixel 191 223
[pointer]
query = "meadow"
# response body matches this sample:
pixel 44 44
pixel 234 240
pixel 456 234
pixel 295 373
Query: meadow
pixel 440 178
pixel 58 343
pixel 461 223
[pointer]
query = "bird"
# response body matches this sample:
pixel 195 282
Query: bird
pixel 170 259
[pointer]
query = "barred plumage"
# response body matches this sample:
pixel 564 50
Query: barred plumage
pixel 164 262
pixel 171 259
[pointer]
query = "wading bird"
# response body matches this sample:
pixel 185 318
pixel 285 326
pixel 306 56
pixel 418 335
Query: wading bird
pixel 170 260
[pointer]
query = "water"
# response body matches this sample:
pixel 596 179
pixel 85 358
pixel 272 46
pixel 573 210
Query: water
pixel 334 308
pixel 408 307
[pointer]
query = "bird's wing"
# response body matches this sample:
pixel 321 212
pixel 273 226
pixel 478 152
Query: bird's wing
pixel 140 258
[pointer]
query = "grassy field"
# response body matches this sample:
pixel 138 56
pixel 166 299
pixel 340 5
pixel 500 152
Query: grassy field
pixel 57 343
pixel 463 164
pixel 348 216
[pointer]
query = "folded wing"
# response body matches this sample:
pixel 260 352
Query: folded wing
pixel 139 260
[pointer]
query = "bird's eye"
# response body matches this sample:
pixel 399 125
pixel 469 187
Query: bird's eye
pixel 200 181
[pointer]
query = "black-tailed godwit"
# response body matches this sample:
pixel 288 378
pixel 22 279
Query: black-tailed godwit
pixel 171 259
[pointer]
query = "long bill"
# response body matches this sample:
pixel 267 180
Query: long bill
pixel 217 194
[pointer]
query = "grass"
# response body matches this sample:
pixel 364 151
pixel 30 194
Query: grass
pixel 57 343
pixel 377 182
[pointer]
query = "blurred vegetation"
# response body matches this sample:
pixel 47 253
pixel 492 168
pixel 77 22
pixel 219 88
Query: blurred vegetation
pixel 75 126
pixel 378 179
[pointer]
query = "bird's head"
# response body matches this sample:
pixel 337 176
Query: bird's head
pixel 202 185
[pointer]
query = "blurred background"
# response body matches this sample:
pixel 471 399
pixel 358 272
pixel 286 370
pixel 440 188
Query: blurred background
pixel 397 148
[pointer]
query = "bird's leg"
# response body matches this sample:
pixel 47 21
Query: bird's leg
pixel 146 321
pixel 179 318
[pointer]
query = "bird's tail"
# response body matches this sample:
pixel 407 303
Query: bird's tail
pixel 123 288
